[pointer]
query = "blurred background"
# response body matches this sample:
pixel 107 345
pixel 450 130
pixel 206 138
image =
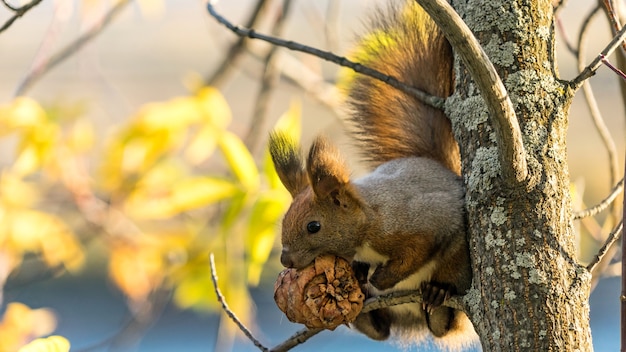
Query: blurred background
pixel 120 173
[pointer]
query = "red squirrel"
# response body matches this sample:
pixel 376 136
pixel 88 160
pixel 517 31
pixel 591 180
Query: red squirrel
pixel 403 225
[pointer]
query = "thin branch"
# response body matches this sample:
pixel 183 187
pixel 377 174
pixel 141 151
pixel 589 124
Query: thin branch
pixel 592 104
pixel 568 44
pixel 271 76
pixel 44 67
pixel 19 12
pixel 296 339
pixel 605 203
pixel 501 111
pixel 613 13
pixel 235 53
pixel 591 69
pixel 613 19
pixel 297 73
pixel 229 312
pixel 436 102
pixel 331 24
pixel 613 236
pixel 608 64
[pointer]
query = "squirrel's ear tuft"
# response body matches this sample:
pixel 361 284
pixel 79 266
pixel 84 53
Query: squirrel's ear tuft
pixel 288 162
pixel 327 170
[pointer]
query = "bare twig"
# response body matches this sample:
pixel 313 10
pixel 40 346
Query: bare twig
pixel 605 203
pixel 566 40
pixel 19 12
pixel 608 64
pixel 612 16
pixel 594 110
pixel 235 53
pixel 612 12
pixel 436 102
pixel 227 310
pixel 613 236
pixel 45 66
pixel 331 24
pixel 501 111
pixel 270 78
pixel 591 69
pixel 297 73
pixel 296 339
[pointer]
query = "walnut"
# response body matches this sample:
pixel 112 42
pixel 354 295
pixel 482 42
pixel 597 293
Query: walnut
pixel 324 294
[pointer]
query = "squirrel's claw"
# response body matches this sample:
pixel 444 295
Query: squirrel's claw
pixel 433 295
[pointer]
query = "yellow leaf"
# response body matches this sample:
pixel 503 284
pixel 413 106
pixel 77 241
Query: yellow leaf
pixel 49 344
pixel 196 289
pixel 240 160
pixel 202 191
pixel 262 230
pixel 290 122
pixel 203 144
pixel 136 269
pixel 15 192
pixel 22 112
pixel 81 136
pixel 143 204
pixel 175 114
pixel 27 161
pixel 21 323
pixel 37 232
pixel 214 106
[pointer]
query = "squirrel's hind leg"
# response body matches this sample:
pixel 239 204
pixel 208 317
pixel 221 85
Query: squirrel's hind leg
pixel 375 324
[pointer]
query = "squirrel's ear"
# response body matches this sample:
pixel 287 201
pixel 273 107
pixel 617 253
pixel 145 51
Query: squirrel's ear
pixel 288 162
pixel 327 170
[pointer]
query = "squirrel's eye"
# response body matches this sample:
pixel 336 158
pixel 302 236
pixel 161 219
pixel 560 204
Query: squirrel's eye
pixel 313 226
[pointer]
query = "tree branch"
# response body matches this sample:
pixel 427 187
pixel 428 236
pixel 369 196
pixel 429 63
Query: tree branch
pixel 227 310
pixel 591 69
pixel 605 203
pixel 19 12
pixel 594 110
pixel 49 63
pixel 508 134
pixel 271 76
pixel 613 236
pixel 436 102
pixel 223 71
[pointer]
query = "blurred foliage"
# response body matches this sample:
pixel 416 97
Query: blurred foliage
pixel 48 344
pixel 170 186
pixel 20 324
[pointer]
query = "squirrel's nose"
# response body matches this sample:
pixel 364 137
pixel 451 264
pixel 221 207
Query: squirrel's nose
pixel 285 259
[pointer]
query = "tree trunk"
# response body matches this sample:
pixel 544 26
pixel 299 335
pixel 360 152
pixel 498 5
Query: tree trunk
pixel 529 291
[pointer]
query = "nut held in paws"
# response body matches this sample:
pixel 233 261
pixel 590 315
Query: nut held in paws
pixel 325 294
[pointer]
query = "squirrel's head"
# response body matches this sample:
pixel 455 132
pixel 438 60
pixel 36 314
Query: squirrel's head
pixel 327 214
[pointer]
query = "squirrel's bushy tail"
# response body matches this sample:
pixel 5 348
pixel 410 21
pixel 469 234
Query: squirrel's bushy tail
pixel 405 43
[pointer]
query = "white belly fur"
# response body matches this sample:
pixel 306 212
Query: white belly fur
pixel 367 254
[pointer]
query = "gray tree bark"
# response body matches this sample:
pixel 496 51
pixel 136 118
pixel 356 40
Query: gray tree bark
pixel 529 291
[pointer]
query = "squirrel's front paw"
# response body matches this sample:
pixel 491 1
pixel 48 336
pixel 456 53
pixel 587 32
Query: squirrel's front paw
pixel 434 294
pixel 383 278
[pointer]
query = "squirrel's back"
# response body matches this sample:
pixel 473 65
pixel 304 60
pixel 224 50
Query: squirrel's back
pixel 402 42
